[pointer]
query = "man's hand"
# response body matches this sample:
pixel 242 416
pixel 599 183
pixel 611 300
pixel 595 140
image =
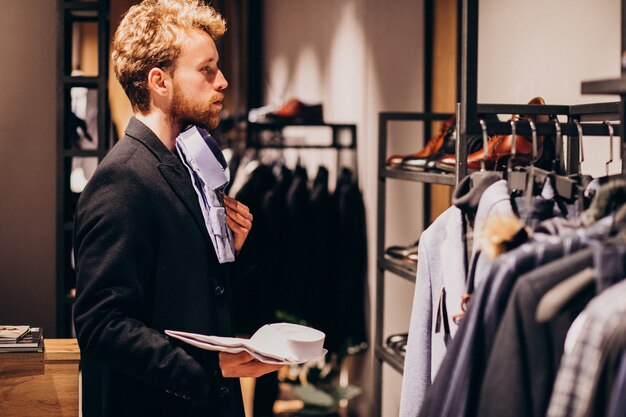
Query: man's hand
pixel 239 220
pixel 236 365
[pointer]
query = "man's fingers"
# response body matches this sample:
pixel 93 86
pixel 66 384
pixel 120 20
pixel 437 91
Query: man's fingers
pixel 238 207
pixel 237 227
pixel 234 359
pixel 240 220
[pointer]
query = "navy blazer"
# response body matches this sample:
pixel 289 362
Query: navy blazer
pixel 145 263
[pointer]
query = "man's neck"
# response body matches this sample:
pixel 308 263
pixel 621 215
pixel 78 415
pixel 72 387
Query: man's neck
pixel 162 125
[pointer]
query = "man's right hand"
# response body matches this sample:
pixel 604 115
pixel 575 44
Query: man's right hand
pixel 236 365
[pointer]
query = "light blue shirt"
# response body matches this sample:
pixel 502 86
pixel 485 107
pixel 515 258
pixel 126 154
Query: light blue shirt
pixel 210 175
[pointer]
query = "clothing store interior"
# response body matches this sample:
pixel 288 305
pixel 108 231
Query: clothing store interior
pixel 437 186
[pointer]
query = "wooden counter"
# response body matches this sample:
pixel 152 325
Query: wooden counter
pixel 41 384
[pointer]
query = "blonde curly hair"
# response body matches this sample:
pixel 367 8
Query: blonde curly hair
pixel 151 34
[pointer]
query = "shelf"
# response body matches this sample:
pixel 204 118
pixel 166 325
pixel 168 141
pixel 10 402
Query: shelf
pixel 282 124
pixel 395 360
pixel 413 116
pixel 521 109
pixel 88 82
pixel 610 108
pixel 614 86
pixel 81 153
pixel 419 176
pixel 399 268
pixel 262 146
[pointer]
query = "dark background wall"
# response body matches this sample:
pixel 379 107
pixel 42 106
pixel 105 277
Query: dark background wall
pixel 27 162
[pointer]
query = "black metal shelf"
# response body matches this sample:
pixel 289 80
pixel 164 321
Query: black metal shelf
pixel 521 109
pixel 88 82
pixel 395 360
pixel 283 146
pixel 419 176
pixel 68 14
pixel 283 124
pixel 81 153
pixel 592 109
pixel 614 86
pixel 570 129
pixel 399 268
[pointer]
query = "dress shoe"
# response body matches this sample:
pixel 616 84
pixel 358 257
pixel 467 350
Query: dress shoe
pixel 499 149
pixel 445 143
pixel 406 254
pixel 295 111
pixel 434 145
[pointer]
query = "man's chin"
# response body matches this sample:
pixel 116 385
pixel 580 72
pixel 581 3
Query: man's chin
pixel 207 124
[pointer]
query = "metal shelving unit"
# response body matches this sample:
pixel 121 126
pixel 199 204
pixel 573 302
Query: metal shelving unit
pixel 70 13
pixel 382 354
pixel 469 112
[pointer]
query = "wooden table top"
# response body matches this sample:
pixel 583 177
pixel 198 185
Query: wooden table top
pixel 56 350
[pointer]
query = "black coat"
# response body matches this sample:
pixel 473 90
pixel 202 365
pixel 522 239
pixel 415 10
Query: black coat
pixel 145 263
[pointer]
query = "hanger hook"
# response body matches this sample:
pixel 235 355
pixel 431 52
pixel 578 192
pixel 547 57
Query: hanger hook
pixel 559 144
pixel 579 128
pixel 533 130
pixel 483 126
pixel 513 134
pixel 610 127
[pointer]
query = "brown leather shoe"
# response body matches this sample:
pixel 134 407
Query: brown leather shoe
pixel 434 144
pixel 499 148
pixel 296 111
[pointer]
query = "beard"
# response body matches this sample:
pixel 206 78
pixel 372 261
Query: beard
pixel 185 112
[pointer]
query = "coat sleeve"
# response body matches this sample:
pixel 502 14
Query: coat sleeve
pixel 115 246
pixel 417 363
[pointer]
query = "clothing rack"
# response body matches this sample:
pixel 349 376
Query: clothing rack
pixel 469 112
pixel 467 82
pixel 253 140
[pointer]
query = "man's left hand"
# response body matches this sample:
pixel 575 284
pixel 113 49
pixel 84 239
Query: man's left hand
pixel 239 220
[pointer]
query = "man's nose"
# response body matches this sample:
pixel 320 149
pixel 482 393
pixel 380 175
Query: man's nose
pixel 220 81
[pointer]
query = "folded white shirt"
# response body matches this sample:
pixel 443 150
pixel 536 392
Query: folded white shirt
pixel 277 343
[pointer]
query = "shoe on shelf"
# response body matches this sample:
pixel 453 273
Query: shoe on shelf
pixel 295 111
pixel 406 254
pixel 499 148
pixel 397 342
pixel 432 146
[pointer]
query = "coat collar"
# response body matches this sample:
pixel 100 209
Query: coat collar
pixel 172 170
pixel 139 131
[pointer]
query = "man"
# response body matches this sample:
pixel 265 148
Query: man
pixel 144 259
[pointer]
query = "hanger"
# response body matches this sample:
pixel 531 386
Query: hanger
pixel 610 128
pixel 477 177
pixel 536 176
pixel 517 177
pixel 607 177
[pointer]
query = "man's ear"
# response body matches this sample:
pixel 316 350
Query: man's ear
pixel 159 82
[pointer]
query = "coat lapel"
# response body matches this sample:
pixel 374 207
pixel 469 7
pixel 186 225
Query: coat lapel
pixel 172 170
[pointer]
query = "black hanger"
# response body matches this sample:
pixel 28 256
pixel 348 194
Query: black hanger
pixel 477 177
pixel 607 178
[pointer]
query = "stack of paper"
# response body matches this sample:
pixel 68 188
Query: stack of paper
pixel 278 343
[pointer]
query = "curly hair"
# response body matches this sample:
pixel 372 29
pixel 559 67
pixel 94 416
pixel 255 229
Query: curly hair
pixel 151 34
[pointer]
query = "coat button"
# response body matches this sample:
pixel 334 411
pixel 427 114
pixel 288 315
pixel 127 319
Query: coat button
pixel 219 290
pixel 223 392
